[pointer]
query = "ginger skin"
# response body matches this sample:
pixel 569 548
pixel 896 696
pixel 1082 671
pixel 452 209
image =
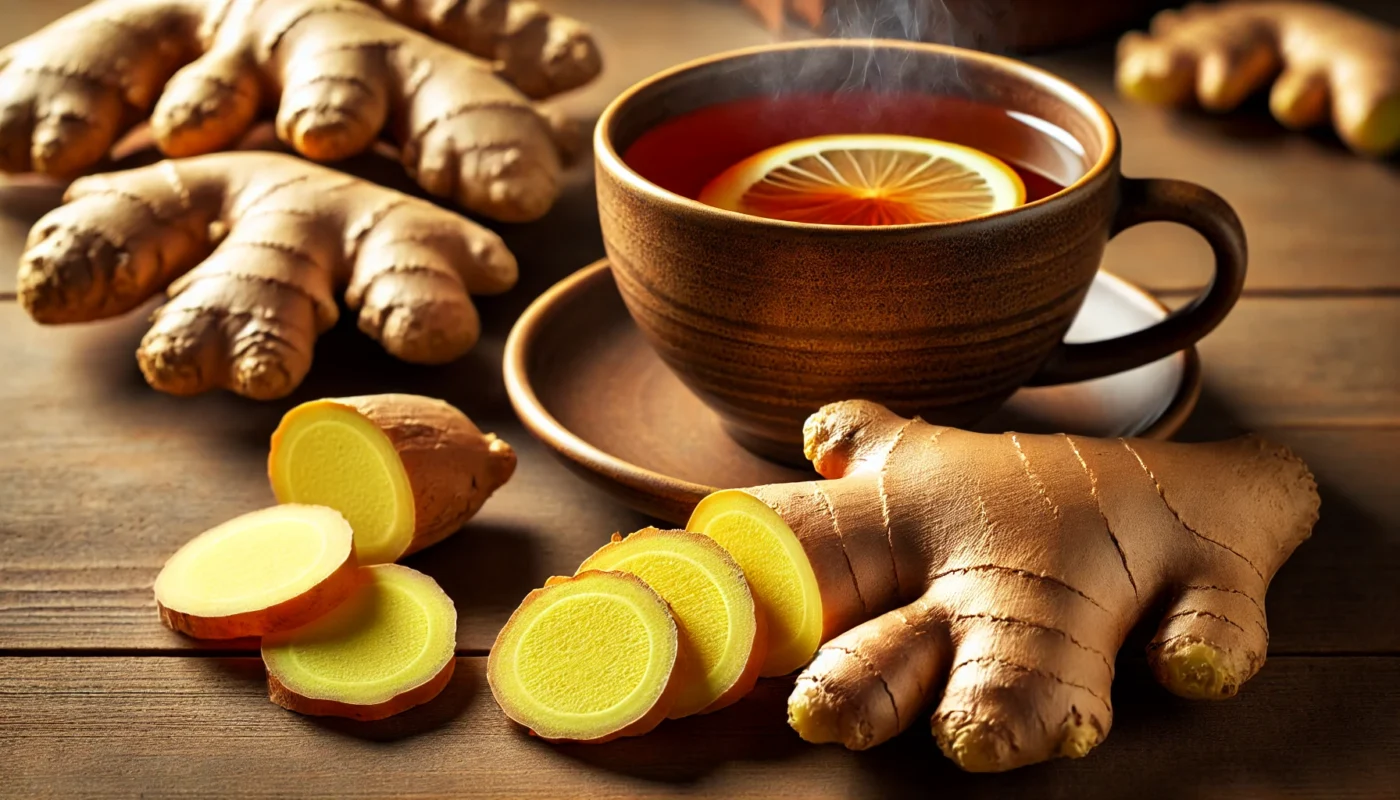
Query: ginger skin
pixel 253 250
pixel 1330 59
pixel 1001 574
pixel 338 70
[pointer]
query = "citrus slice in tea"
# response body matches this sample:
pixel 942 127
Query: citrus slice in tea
pixel 867 179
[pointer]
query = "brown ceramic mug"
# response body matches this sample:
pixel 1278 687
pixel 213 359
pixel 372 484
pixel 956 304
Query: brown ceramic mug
pixel 768 320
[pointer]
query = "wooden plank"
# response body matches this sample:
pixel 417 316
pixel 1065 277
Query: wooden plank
pixel 1283 361
pixel 160 727
pixel 102 478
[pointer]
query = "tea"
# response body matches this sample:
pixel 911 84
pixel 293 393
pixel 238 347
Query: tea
pixel 685 153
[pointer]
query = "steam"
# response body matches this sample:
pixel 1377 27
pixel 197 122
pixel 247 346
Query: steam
pixel 977 24
pixel 965 23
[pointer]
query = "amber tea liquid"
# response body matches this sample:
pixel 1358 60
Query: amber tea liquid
pixel 684 153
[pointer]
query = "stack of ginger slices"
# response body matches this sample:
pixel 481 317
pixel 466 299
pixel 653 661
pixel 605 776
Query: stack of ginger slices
pixel 660 624
pixel 363 481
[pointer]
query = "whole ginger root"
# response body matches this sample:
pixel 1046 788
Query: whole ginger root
pixel 996 576
pixel 339 72
pixel 254 249
pixel 1322 60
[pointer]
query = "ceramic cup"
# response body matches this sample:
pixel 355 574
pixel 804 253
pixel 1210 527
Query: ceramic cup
pixel 768 320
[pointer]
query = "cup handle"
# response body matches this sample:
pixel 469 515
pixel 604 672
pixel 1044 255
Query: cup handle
pixel 1162 200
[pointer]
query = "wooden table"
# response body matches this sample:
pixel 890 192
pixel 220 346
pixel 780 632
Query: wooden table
pixel 102 478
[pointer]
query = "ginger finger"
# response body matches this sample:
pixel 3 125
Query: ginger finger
pixel 292 235
pixel 1025 560
pixel 207 105
pixel 540 53
pixel 1329 56
pixel 69 90
pixel 872 681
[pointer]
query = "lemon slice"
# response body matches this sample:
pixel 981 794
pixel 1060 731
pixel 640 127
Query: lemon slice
pixel 867 179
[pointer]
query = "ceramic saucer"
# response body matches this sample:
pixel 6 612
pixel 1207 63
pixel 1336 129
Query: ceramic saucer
pixel 583 380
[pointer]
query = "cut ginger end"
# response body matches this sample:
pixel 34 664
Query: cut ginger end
pixel 406 471
pixel 776 566
pixel 389 647
pixel 265 571
pixel 722 643
pixel 588 658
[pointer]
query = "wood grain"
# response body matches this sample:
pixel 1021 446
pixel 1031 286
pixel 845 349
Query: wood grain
pixel 160 727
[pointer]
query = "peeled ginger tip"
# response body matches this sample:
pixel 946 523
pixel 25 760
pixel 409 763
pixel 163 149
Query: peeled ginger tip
pixel 722 643
pixel 389 647
pixel 781 577
pixel 588 659
pixel 406 471
pixel 259 573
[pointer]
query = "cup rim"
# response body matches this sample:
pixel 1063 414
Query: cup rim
pixel 607 155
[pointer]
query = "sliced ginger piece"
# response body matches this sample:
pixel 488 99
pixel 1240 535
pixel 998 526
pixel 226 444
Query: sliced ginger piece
pixel 778 571
pixel 588 658
pixel 722 641
pixel 406 471
pixel 389 647
pixel 265 571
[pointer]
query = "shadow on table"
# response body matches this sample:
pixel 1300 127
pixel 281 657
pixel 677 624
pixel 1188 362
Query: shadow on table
pixel 461 691
pixel 487 566
pixel 441 711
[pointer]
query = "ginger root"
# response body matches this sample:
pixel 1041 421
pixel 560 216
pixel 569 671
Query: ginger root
pixel 253 249
pixel 1219 54
pixel 266 571
pixel 406 471
pixel 587 659
pixel 1001 574
pixel 389 646
pixel 338 70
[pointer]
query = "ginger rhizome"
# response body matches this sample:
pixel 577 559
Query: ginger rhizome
pixel 999 574
pixel 338 71
pixel 722 640
pixel 265 571
pixel 588 658
pixel 389 646
pixel 254 249
pixel 1323 61
pixel 406 471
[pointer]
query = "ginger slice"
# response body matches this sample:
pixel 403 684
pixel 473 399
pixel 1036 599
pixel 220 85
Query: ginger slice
pixel 778 571
pixel 265 571
pixel 406 471
pixel 389 647
pixel 722 641
pixel 588 658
